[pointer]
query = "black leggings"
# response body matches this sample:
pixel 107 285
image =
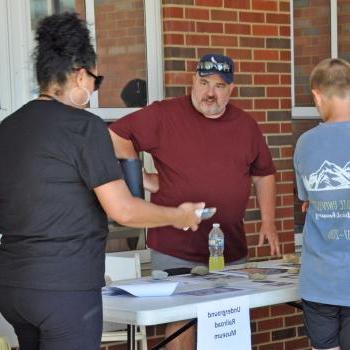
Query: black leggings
pixel 51 320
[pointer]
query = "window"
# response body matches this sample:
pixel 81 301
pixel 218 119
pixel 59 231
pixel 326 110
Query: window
pixel 127 37
pixel 321 29
pixel 344 29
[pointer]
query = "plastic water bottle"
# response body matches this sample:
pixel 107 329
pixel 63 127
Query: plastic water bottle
pixel 216 249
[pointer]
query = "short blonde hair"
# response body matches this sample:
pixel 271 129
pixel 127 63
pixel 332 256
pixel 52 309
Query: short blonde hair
pixel 331 77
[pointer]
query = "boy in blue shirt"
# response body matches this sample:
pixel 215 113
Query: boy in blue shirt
pixel 322 166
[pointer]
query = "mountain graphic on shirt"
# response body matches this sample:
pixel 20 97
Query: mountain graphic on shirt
pixel 329 176
pixel 347 167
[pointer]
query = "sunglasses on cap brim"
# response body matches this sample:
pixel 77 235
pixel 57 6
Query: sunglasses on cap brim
pixel 209 66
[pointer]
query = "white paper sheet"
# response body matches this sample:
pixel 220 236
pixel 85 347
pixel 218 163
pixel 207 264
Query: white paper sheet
pixel 143 289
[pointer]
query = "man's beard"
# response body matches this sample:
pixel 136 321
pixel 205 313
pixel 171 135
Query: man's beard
pixel 207 110
pixel 211 109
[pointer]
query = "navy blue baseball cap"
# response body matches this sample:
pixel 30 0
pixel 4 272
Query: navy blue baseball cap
pixel 216 64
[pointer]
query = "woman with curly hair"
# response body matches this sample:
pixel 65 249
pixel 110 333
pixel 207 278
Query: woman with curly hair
pixel 58 180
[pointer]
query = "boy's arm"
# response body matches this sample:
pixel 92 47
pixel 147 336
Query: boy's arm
pixel 305 206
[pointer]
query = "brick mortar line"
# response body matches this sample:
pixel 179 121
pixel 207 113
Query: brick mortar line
pixel 225 9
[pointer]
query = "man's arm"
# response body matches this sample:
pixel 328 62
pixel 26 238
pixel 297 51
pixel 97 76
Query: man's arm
pixel 124 149
pixel 266 195
pixel 121 206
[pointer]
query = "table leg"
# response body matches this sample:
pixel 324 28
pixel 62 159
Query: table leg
pixel 131 337
pixel 175 334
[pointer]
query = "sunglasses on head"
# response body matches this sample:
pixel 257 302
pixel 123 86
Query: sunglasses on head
pixel 98 78
pixel 208 65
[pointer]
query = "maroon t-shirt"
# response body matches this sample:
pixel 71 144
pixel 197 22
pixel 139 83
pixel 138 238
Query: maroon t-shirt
pixel 199 159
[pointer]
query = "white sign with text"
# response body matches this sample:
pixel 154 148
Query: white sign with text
pixel 224 324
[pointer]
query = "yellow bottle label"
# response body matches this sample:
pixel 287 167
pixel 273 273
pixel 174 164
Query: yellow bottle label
pixel 216 263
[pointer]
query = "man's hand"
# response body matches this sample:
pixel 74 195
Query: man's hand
pixel 268 231
pixel 266 194
pixel 150 181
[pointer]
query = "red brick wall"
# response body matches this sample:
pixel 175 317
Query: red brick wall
pixel 80 7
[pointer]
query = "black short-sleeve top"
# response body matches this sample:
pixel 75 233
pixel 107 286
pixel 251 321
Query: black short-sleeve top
pixel 54 230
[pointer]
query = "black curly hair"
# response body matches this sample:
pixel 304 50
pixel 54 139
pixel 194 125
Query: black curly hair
pixel 63 44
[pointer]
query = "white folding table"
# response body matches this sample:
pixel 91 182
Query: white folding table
pixel 147 311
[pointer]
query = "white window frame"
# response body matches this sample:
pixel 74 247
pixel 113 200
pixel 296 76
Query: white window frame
pixel 5 88
pixel 311 112
pixel 17 57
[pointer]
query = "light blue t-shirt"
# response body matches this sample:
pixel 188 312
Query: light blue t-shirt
pixel 322 166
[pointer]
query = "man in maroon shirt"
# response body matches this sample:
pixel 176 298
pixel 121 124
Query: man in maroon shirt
pixel 204 149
